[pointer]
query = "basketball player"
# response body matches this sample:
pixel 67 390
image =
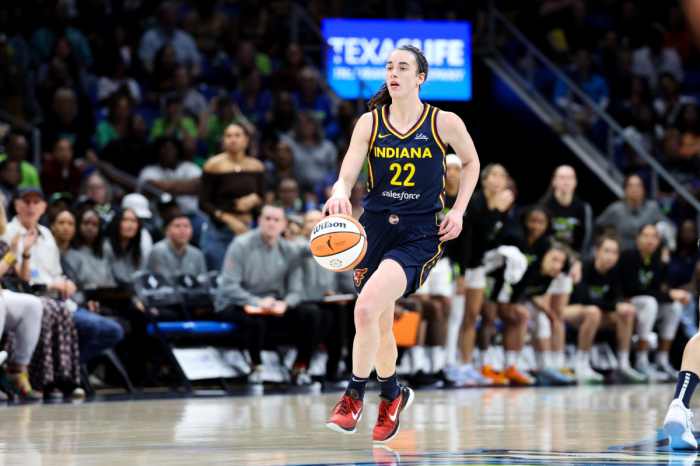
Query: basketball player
pixel 405 142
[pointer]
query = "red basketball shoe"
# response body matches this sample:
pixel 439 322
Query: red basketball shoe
pixel 387 426
pixel 346 414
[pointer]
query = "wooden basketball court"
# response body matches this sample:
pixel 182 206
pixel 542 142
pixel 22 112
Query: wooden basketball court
pixel 584 425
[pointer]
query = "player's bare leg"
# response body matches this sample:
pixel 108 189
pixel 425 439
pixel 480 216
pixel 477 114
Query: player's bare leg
pixel 678 424
pixel 379 295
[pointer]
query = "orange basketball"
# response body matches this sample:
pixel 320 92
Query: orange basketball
pixel 338 242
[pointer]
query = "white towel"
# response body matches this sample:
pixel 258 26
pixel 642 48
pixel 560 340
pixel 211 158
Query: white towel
pixel 514 260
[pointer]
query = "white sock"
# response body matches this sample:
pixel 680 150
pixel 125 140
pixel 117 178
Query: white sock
pixel 642 358
pixel 544 359
pixel 583 358
pixel 511 358
pixel 662 358
pixel 418 359
pixel 437 359
pixel 558 360
pixel 624 357
pixel 453 324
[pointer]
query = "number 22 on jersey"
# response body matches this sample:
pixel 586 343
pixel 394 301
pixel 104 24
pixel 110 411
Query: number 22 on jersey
pixel 397 169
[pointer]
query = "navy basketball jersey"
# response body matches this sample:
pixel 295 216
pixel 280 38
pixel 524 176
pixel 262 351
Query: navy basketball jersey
pixel 406 172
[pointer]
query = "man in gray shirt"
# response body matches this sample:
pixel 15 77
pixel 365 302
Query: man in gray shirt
pixel 261 289
pixel 174 255
pixel 628 215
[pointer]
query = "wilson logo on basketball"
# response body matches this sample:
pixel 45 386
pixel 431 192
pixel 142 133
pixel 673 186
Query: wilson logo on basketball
pixel 325 225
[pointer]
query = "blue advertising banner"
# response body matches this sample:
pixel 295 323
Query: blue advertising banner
pixel 358 49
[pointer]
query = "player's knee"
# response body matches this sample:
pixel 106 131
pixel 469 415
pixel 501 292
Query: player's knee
pixel 366 314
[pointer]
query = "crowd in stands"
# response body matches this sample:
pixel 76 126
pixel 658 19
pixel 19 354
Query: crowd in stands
pixel 635 60
pixel 193 137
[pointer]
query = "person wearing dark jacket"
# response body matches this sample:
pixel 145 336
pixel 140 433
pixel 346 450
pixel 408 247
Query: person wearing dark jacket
pixel 485 222
pixel 528 300
pixel 643 273
pixel 599 294
pixel 571 217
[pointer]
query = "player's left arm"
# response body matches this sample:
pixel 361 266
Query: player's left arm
pixel 454 133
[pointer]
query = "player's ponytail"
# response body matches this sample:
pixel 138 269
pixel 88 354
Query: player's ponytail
pixel 382 97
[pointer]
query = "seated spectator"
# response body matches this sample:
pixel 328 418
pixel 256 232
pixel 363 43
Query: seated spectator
pixel 571 218
pixel 174 175
pixel 682 142
pixel 287 75
pixel 17 93
pixel 628 215
pixel 598 296
pixel 97 193
pixel 20 321
pixel 139 205
pixel 86 259
pixel 253 99
pixel 167 32
pixel 174 122
pixel 312 99
pixel 669 102
pixel 208 25
pixel 592 83
pixel 281 166
pixel 55 364
pixel 653 59
pixel 16 150
pixel 226 112
pixel 231 191
pixel 62 224
pixel 123 247
pixel 117 81
pixel 119 123
pixel 314 156
pixel 162 82
pixel 681 271
pixel 10 177
pixel 528 301
pixel 283 114
pixel 193 102
pixel 67 120
pixel 60 173
pixel 44 39
pixel 288 197
pixel 174 256
pixel 127 149
pixel 259 276
pixel 642 269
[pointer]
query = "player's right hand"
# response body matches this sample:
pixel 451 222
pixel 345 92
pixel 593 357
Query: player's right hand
pixel 337 205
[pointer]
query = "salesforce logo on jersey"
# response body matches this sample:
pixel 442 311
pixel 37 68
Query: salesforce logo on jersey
pixel 358 49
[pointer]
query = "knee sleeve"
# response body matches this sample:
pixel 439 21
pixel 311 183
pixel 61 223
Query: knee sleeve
pixel 670 314
pixel 647 309
pixel 543 326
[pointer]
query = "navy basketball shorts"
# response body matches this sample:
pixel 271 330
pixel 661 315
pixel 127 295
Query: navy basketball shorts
pixel 410 240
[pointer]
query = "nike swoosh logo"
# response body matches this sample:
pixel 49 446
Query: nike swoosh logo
pixel 382 136
pixel 355 415
pixel 396 412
